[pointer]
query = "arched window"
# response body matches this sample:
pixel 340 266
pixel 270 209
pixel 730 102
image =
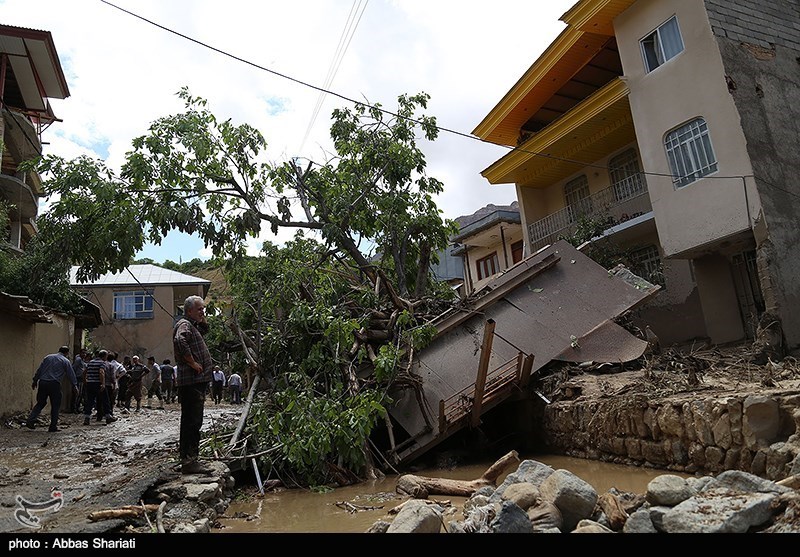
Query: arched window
pixel 690 153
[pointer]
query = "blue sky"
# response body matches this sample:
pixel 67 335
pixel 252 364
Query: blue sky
pixel 124 72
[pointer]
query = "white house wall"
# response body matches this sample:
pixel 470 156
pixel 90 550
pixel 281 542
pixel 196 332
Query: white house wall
pixel 679 91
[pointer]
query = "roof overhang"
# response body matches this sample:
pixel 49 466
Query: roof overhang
pixel 36 66
pixel 594 129
pixel 589 27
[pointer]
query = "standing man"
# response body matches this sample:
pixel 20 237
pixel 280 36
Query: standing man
pixel 79 366
pixel 136 374
pixel 235 384
pixel 219 383
pixel 194 364
pixel 154 373
pixel 94 384
pixel 167 381
pixel 48 378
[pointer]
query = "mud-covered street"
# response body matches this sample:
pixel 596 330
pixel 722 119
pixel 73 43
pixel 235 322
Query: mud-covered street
pixel 62 477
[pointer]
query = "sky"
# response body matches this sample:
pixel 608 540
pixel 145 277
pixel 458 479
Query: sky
pixel 124 72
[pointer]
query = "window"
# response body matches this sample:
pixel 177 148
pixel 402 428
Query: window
pixel 662 45
pixel 626 177
pixel 646 262
pixel 576 192
pixel 487 266
pixel 516 252
pixel 690 153
pixel 136 304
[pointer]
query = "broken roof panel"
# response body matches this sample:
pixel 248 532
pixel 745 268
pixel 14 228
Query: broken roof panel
pixel 552 304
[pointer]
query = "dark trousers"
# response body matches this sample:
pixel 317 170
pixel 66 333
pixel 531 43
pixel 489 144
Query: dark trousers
pixel 216 391
pixel 47 390
pixel 94 395
pixel 167 390
pixel 77 401
pixel 192 403
pixel 122 390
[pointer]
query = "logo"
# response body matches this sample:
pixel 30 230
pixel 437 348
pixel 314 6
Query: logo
pixel 27 512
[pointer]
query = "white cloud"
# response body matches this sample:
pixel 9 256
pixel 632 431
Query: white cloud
pixel 123 72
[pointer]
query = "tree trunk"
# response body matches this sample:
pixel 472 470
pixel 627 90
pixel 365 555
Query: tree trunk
pixel 421 487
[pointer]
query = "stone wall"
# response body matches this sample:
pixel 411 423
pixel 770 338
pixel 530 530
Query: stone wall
pixel 756 433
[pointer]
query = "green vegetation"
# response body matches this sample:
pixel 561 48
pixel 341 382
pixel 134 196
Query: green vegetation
pixel 328 320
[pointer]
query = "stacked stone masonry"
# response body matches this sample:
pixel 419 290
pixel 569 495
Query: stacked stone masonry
pixel 753 433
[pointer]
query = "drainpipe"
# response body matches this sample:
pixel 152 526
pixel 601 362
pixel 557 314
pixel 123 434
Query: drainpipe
pixel 505 251
pixel 468 277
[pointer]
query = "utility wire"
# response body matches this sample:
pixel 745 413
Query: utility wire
pixel 322 90
pixel 341 49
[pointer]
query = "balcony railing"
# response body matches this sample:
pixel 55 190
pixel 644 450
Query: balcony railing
pixel 618 203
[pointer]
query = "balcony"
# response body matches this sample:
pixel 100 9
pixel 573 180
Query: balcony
pixel 625 200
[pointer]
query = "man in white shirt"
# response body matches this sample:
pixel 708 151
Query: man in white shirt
pixel 217 384
pixel 235 383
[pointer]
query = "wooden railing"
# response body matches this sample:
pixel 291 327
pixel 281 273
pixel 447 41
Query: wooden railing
pixel 498 381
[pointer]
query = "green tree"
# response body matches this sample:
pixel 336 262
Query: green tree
pixel 305 315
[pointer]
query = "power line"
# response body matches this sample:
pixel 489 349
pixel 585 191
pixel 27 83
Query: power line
pixel 324 91
pixel 341 49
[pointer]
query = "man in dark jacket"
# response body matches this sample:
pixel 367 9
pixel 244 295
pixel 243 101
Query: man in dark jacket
pixel 48 378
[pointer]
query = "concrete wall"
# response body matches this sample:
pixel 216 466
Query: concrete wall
pixel 690 85
pixel 24 346
pixel 511 233
pixel 718 296
pixel 759 41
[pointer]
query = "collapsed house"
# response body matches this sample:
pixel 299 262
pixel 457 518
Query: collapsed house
pixel 557 304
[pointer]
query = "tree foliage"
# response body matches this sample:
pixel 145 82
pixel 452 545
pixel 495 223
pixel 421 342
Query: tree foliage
pixel 330 317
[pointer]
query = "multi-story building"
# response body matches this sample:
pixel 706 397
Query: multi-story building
pixel 674 124
pixel 30 75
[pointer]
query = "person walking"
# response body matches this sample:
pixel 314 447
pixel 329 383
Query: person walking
pixel 135 375
pixel 48 380
pixel 79 367
pixel 193 361
pixel 94 383
pixel 235 383
pixel 154 374
pixel 115 370
pixel 168 381
pixel 218 384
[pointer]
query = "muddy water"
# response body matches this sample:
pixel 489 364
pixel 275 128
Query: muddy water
pixel 301 511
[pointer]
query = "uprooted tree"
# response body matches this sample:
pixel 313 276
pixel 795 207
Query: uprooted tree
pixel 331 318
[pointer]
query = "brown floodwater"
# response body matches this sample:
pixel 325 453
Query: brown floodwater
pixel 304 511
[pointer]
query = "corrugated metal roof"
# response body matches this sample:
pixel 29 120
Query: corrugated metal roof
pixel 135 275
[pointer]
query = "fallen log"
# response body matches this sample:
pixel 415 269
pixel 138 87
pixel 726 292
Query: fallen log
pixel 420 487
pixel 128 511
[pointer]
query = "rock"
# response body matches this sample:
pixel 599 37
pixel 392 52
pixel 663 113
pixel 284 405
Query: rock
pixel 545 517
pixel 511 519
pixel 668 489
pixel 416 517
pixel 639 523
pixel 574 497
pixel 523 494
pixel 586 526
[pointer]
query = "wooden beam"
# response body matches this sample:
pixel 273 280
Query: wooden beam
pixel 483 368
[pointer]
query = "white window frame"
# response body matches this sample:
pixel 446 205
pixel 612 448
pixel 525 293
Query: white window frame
pixel 577 197
pixel 659 47
pixel 646 261
pixel 133 304
pixel 487 266
pixel 690 153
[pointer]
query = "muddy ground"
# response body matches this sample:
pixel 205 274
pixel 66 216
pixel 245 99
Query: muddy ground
pixel 94 467
pixel 99 466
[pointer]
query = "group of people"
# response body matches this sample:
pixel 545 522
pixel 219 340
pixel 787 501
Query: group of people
pixel 219 382
pixel 103 382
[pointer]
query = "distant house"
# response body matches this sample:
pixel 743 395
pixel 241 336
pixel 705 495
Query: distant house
pixel 488 242
pixel 139 306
